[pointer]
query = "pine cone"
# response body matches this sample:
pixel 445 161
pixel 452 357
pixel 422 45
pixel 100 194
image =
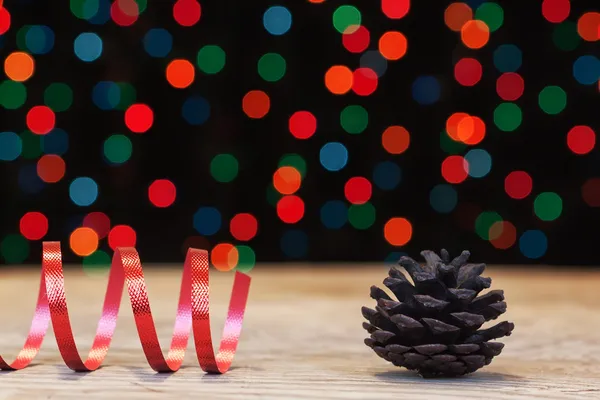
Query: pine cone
pixel 433 328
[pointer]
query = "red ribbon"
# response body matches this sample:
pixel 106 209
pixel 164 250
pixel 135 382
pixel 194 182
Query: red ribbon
pixel 126 270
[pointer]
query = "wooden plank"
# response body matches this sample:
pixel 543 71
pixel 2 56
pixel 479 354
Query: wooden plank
pixel 303 339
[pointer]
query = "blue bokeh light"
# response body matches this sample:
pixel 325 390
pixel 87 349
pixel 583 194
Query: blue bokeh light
pixel 533 244
pixel 195 110
pixel 334 214
pixel 277 20
pixel 88 46
pixel 158 42
pixel 480 162
pixel 106 95
pixel 333 156
pixel 55 142
pixel 11 146
pixel 83 191
pixel 207 221
pixel 387 175
pixel 586 70
pixel 443 198
pixel 426 90
pixel 508 58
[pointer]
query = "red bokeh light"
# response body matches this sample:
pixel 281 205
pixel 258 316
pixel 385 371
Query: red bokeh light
pixel 395 9
pixel 243 227
pixel 590 191
pixel 4 20
pixel 581 139
pixel 455 169
pixel 290 209
pixel 162 193
pixel 99 222
pixel 41 120
pixel 468 71
pixel 518 184
pixel 122 236
pixel 187 12
pixel 33 225
pixel 356 40
pixel 556 11
pixel 510 86
pixel 358 190
pixel 503 235
pixel 139 118
pixel 302 124
pixel 364 81
pixel 124 12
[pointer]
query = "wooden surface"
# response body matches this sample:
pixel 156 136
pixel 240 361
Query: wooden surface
pixel 303 339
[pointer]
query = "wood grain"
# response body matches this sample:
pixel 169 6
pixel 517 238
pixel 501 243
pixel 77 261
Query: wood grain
pixel 303 339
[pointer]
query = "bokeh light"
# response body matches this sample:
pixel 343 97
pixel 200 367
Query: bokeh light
pixel 224 257
pixel 84 241
pixel 243 227
pixel 33 225
pixel 162 193
pixel 302 124
pixel 398 231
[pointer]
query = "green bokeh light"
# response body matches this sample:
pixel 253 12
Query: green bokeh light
pixel 294 160
pixel 224 168
pixel 118 149
pixel 14 249
pixel 127 95
pixel 548 206
pixel 345 17
pixel 58 96
pixel 361 216
pixel 96 263
pixel 12 94
pixel 484 222
pixel 211 59
pixel 490 13
pixel 449 145
pixel 84 9
pixel 565 36
pixel 552 99
pixel 354 119
pixel 22 37
pixel 508 117
pixel 32 145
pixel 271 67
pixel 246 258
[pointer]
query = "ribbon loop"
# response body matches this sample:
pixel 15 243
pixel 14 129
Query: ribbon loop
pixel 126 271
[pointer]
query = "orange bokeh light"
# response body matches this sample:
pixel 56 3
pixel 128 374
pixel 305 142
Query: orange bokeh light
pixel 19 66
pixel 475 34
pixel 393 45
pixel 256 104
pixel 395 139
pixel 588 26
pixel 51 168
pixel 84 241
pixel 180 73
pixel 224 257
pixel 456 15
pixel 398 231
pixel 339 79
pixel 287 180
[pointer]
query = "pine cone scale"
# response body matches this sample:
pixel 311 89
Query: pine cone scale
pixel 434 326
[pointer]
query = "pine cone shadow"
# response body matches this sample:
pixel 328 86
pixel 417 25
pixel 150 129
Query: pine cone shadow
pixel 475 378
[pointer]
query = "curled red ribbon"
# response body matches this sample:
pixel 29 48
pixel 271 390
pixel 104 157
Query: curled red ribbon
pixel 126 270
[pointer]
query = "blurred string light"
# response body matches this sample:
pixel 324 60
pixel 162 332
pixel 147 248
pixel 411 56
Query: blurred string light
pixel 43 145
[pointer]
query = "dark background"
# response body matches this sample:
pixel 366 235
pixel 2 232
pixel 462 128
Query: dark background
pixel 175 150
